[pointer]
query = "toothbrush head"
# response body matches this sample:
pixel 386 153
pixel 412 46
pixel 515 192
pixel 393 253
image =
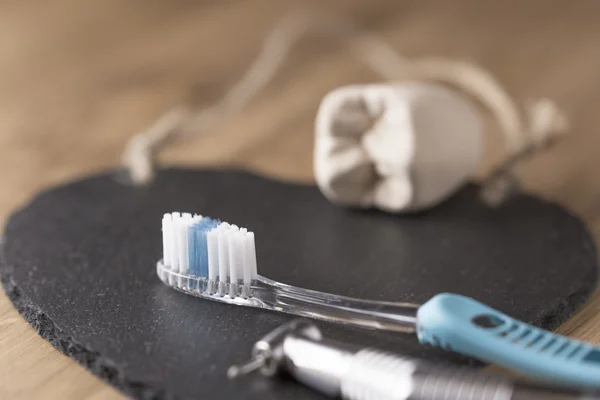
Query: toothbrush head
pixel 207 256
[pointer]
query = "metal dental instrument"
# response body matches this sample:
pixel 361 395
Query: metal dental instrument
pixel 335 369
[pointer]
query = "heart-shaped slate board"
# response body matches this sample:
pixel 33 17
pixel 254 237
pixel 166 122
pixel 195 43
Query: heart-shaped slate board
pixel 79 264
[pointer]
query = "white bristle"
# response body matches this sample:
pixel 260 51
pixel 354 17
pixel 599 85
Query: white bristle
pixel 182 230
pixel 245 250
pixel 240 246
pixel 235 267
pixel 175 246
pixel 223 247
pixel 213 254
pixel 252 255
pixel 166 234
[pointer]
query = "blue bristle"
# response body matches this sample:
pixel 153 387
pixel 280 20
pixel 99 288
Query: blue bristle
pixel 191 249
pixel 192 256
pixel 198 248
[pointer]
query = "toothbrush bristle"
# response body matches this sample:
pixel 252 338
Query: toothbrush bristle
pixel 216 256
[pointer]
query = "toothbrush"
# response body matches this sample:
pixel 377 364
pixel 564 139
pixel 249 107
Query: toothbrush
pixel 215 260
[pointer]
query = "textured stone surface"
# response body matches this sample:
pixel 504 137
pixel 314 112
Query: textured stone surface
pixel 79 265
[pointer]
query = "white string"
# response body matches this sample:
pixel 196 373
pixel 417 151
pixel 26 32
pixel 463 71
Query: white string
pixel 543 120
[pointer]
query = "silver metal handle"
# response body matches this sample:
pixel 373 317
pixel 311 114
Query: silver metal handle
pixel 370 374
pixel 376 375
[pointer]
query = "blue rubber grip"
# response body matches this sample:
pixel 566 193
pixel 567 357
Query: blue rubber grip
pixel 465 326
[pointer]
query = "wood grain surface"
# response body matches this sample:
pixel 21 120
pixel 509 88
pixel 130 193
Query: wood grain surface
pixel 79 78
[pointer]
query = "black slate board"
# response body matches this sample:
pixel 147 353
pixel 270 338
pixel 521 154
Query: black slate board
pixel 79 264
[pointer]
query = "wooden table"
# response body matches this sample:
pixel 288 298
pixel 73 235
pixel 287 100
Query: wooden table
pixel 77 79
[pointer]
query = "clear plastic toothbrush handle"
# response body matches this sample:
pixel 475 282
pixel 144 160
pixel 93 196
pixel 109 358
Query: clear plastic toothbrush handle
pixel 381 315
pixel 271 295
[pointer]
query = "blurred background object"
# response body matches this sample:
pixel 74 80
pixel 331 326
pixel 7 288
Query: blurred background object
pixel 78 79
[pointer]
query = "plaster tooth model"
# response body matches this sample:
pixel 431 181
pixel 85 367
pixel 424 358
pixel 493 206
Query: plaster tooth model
pixel 401 146
pixel 396 147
